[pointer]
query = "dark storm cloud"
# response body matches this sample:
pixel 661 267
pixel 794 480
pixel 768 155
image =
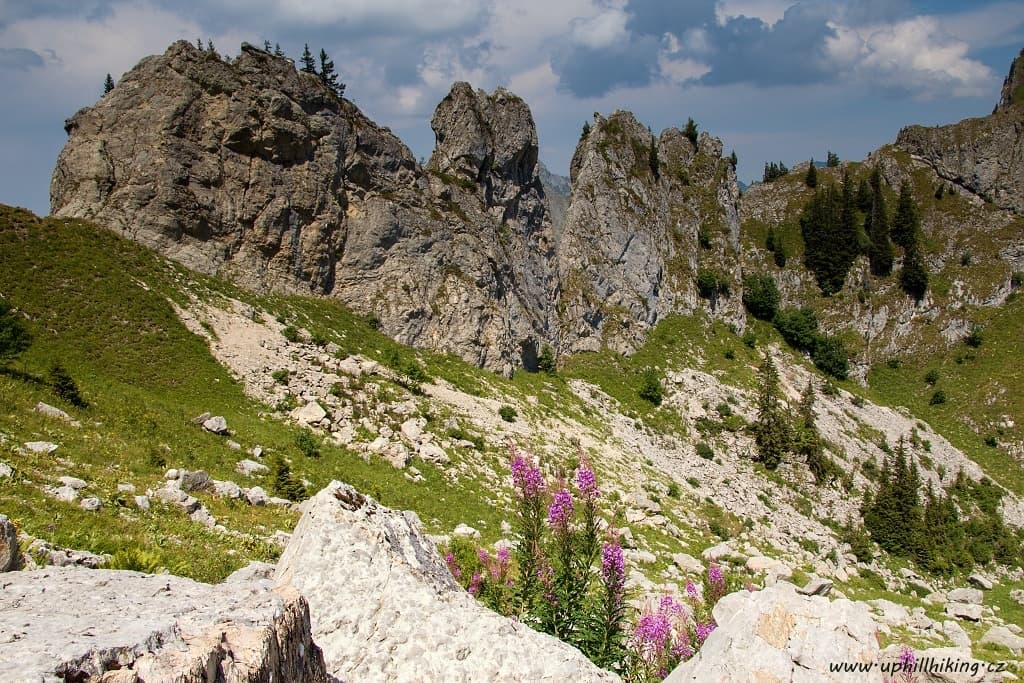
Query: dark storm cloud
pixel 591 72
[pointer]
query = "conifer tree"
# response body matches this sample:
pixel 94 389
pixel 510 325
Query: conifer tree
pixel 772 430
pixel 328 75
pixel 807 442
pixel 108 84
pixel 266 46
pixel 199 44
pixel 586 130
pixel 652 159
pixel 880 253
pixel 832 159
pixel 864 196
pixel 733 159
pixel 278 52
pixel 690 131
pixel 308 63
pixel 811 179
pixel 913 275
pixel 905 224
pixel 210 48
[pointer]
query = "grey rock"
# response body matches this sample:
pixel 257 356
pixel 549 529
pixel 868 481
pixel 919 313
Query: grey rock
pixel 250 467
pixel 233 445
pixel 227 489
pixel 776 634
pixel 963 610
pixel 200 419
pixel 52 411
pixel 718 552
pixel 142 502
pixel 956 634
pixel 6 470
pixel 73 482
pixel 431 452
pixel 1017 596
pixel 65 494
pixel 1004 637
pixel 125 487
pixel 170 493
pixel 91 504
pixel 969 595
pixel 465 531
pixel 154 628
pixel 172 474
pixel 816 586
pixel 309 414
pixel 195 481
pixel 41 446
pixel 257 496
pixel 202 516
pixel 688 563
pixel 980 581
pixel 217 425
pixel 64 557
pixel 9 553
pixel 385 607
pixel 1013 83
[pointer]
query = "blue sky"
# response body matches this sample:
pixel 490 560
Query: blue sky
pixel 775 79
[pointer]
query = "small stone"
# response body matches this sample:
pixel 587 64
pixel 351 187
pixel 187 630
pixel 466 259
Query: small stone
pixel 1017 596
pixel 6 471
pixel 256 452
pixel 688 563
pixel 251 468
pixel 203 516
pixel 73 482
pixel 51 411
pixel 227 489
pixel 309 414
pixel 233 445
pixel 142 502
pixel 962 610
pixel 980 581
pixel 411 430
pixel 1004 637
pixel 190 504
pixel 257 496
pixel 466 531
pixel 717 552
pixel 283 502
pixel 195 481
pixel 126 488
pixel 968 595
pixel 816 586
pixel 956 634
pixel 431 452
pixel 200 419
pixel 91 504
pixel 216 425
pixel 63 493
pixel 41 447
pixel 171 475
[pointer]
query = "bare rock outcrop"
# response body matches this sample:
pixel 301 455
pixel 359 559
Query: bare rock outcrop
pixel 628 254
pixel 76 624
pixel 776 634
pixel 984 155
pixel 385 607
pixel 255 171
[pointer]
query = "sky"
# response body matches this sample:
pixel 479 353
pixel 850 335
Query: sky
pixel 774 79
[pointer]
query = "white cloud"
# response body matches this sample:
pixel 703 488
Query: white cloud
pixel 681 71
pixel 768 11
pixel 914 55
pixel 603 30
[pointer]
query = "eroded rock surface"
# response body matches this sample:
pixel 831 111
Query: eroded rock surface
pixel 385 607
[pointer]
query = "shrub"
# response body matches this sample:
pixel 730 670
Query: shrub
pixel 1017 279
pixel 974 338
pixel 990 441
pixel 14 338
pixel 650 388
pixel 283 483
pixel 507 413
pixel 711 285
pixel 729 354
pixel 705 451
pixel 761 296
pixel 938 398
pixel 931 377
pixel 829 356
pixel 291 333
pixel 546 361
pixel 673 490
pixel 798 326
pixel 64 386
pixel 307 444
pixel 749 339
pixel 280 376
pixel 894 363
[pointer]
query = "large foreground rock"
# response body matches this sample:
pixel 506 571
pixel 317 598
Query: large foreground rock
pixel 74 624
pixel 385 608
pixel 776 635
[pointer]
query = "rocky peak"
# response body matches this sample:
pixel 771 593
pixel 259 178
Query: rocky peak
pixel 1013 86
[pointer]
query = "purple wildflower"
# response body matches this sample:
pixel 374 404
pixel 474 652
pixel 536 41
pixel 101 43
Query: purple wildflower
pixel 474 584
pixel 586 483
pixel 613 565
pixel 907 659
pixel 453 566
pixel 703 631
pixel 715 577
pixel 526 476
pixel 561 509
pixel 692 592
pixel 504 553
pixel 482 555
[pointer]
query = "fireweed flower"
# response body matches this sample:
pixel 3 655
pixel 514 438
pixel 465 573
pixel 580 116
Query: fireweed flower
pixel 586 483
pixel 483 556
pixel 907 659
pixel 560 511
pixel 526 477
pixel 503 555
pixel 692 592
pixel 474 584
pixel 703 631
pixel 453 566
pixel 613 564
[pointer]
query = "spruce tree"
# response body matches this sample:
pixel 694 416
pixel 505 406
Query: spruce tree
pixel 905 224
pixel 278 52
pixel 913 275
pixel 210 48
pixel 328 75
pixel 807 442
pixel 832 159
pixel 586 130
pixel 880 253
pixel 14 338
pixel 108 84
pixel 266 46
pixel 308 63
pixel 733 159
pixel 811 179
pixel 652 159
pixel 772 430
pixel 690 131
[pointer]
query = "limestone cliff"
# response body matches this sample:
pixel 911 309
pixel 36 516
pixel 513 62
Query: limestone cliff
pixel 255 171
pixel 629 251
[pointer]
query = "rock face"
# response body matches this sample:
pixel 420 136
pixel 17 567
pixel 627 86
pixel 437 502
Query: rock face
pixel 385 607
pixel 984 155
pixel 255 171
pixel 778 635
pixel 76 624
pixel 628 253
pixel 252 170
